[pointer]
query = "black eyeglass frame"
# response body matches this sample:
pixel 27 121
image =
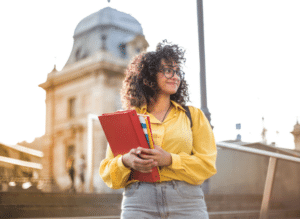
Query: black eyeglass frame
pixel 179 72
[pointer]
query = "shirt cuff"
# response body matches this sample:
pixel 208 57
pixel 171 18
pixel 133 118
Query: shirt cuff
pixel 176 161
pixel 121 165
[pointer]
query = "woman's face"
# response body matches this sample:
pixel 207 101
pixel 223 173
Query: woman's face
pixel 166 83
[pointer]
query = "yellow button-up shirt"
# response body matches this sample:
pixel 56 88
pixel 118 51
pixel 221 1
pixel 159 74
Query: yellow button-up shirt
pixel 193 150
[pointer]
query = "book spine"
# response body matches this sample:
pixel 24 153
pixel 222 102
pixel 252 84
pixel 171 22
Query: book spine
pixel 143 122
pixel 138 129
pixel 149 134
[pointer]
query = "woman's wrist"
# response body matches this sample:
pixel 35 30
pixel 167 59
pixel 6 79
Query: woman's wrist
pixel 169 159
pixel 166 159
pixel 124 160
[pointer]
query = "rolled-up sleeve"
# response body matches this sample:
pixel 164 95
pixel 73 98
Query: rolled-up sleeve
pixel 113 172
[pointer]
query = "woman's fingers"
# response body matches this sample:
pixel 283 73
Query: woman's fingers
pixel 147 156
pixel 146 150
pixel 134 151
pixel 142 159
pixel 134 160
pixel 143 165
pixel 143 162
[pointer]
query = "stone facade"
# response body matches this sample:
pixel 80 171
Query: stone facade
pixel 89 83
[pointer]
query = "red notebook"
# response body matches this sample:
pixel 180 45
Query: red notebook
pixel 123 132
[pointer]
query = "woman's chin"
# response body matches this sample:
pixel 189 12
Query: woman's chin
pixel 172 92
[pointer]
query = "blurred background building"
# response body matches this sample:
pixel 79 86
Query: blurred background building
pixel 89 83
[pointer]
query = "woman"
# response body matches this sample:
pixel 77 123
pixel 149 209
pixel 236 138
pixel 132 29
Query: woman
pixel 155 85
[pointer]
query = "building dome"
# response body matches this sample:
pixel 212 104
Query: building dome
pixel 107 30
pixel 109 17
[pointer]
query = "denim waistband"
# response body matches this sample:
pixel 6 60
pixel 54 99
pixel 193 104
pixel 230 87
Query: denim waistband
pixel 173 183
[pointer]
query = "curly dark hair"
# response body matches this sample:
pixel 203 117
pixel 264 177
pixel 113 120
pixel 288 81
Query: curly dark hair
pixel 140 83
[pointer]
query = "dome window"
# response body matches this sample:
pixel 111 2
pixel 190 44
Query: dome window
pixel 80 55
pixel 77 54
pixel 104 37
pixel 122 48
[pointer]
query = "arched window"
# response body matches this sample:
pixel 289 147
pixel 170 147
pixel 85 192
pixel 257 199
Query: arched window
pixel 78 54
pixel 122 49
pixel 103 38
pixel 71 107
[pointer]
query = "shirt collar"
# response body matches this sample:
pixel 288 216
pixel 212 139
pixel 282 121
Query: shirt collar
pixel 177 105
pixel 143 109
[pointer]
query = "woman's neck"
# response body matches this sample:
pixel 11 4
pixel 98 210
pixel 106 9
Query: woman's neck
pixel 161 104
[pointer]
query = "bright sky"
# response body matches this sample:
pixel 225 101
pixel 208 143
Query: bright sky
pixel 252 59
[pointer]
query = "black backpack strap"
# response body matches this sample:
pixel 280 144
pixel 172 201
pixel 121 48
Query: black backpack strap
pixel 188 114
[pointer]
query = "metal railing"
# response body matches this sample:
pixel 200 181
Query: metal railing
pixel 264 211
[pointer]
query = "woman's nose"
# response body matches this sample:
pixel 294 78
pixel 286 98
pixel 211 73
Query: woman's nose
pixel 176 76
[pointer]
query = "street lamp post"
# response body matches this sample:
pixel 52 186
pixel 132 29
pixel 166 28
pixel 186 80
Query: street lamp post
pixel 202 60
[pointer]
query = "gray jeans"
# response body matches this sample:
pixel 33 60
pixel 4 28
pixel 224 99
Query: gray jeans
pixel 166 200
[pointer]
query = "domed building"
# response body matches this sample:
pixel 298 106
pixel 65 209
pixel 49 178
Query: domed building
pixel 107 31
pixel 88 84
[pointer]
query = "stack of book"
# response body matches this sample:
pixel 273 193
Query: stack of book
pixel 125 130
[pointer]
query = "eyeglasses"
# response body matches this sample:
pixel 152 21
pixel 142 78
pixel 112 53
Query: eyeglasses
pixel 169 73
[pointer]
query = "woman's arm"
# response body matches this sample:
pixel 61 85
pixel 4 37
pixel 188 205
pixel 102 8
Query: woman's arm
pixel 196 167
pixel 112 170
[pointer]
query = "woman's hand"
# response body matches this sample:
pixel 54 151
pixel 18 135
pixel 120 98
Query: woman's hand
pixel 162 157
pixel 133 160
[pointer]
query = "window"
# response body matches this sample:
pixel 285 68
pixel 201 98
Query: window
pixel 78 54
pixel 122 48
pixel 2 173
pixel 71 107
pixel 24 156
pixel 3 152
pixel 70 150
pixel 103 37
